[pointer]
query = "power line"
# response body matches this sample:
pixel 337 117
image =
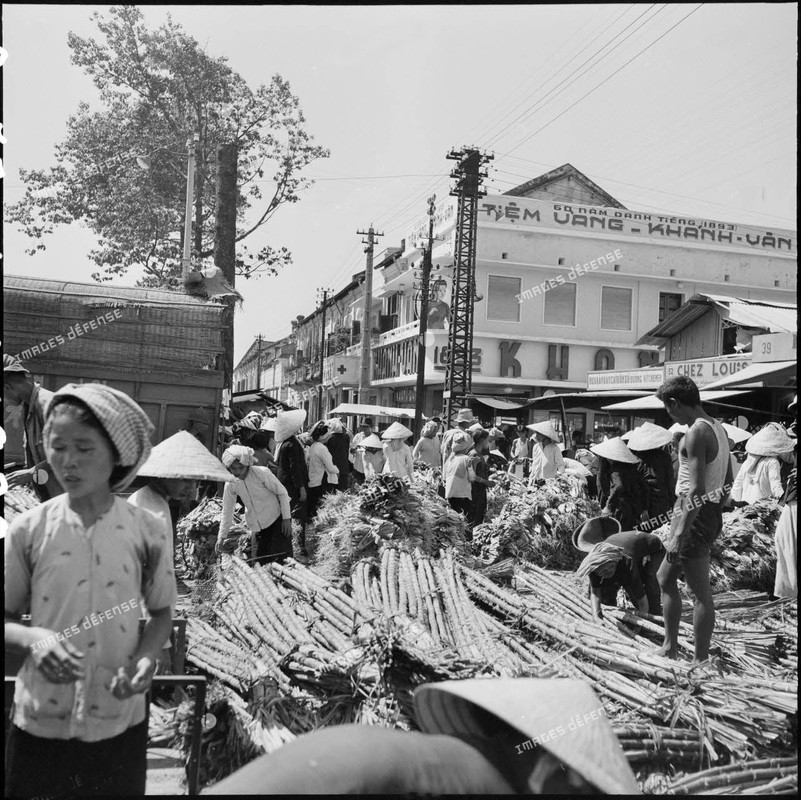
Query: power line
pixel 605 80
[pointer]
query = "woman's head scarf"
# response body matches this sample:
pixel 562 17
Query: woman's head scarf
pixel 602 553
pixel 244 455
pixel 430 430
pixel 127 426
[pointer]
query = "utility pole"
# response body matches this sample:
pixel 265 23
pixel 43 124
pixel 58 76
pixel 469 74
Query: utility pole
pixel 419 401
pixel 225 248
pixel 459 369
pixel 367 322
pixel 258 366
pixel 186 261
pixel 324 294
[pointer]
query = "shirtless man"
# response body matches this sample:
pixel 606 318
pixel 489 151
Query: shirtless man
pixel 703 481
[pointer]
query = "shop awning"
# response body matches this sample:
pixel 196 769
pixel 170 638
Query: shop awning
pixel 591 400
pixel 500 405
pixel 652 403
pixel 357 409
pixel 766 373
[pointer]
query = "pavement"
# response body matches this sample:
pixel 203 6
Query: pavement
pixel 166 772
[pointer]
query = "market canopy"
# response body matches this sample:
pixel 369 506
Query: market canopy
pixel 592 400
pixel 653 403
pixel 766 373
pixel 499 405
pixel 357 409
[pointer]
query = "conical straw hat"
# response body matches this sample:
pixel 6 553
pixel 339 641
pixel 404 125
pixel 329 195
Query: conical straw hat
pixel 734 433
pixel 183 456
pixel 648 437
pixel 537 709
pixel 288 424
pixel 676 428
pixel 396 431
pixel 546 429
pixel 269 424
pixel 772 440
pixel 614 449
pixel 371 441
pixel 594 530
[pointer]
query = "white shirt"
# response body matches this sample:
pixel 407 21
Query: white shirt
pixel 545 462
pixel 358 457
pixel 320 463
pixel 264 496
pixel 758 479
pixel 150 499
pixel 399 462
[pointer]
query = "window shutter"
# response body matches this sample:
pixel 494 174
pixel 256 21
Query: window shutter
pixel 616 308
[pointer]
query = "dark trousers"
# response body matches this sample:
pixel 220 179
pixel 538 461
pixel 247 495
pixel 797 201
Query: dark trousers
pixel 271 544
pixel 315 495
pixel 60 768
pixel 479 505
pixel 464 505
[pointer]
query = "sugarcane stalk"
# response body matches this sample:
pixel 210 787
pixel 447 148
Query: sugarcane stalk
pixel 385 593
pixel 434 620
pixel 436 600
pixel 409 579
pixel 761 763
pixel 455 619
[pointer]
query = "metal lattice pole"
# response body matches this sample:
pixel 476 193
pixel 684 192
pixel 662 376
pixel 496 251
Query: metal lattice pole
pixel 459 368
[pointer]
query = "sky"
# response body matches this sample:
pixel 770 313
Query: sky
pixel 681 108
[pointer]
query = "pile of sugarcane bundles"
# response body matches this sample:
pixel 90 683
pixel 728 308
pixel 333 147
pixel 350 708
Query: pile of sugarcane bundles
pixel 648 747
pixel 18 500
pixel 743 556
pixel 285 632
pixel 386 509
pixel 535 524
pixel 756 776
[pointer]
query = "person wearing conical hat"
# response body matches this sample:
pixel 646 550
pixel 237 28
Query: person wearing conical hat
pixel 622 491
pixel 476 737
pixel 760 475
pixel 372 449
pixel 426 449
pixel 546 457
pixel 293 472
pixel 81 564
pixel 650 444
pixel 697 517
pixel 338 444
pixel 19 389
pixel 786 584
pixel 398 454
pixel 458 474
pixel 464 419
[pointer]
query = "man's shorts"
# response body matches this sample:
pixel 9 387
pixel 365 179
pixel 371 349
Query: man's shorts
pixel 705 528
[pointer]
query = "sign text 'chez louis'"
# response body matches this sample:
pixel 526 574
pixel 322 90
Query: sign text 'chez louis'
pixel 542 214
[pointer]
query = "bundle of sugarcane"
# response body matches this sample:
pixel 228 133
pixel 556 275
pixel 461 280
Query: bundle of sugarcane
pixel 657 745
pixel 757 776
pixel 738 714
pixel 17 500
pixel 536 524
pixel 162 726
pixel 349 527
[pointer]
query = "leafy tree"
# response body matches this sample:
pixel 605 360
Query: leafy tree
pixel 158 88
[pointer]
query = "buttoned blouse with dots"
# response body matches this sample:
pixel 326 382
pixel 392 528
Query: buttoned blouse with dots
pixel 87 585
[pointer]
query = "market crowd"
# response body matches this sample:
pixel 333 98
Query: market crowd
pixel 87 551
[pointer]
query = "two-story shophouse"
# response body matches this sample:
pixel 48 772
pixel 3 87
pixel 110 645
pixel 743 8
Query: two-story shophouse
pixel 568 281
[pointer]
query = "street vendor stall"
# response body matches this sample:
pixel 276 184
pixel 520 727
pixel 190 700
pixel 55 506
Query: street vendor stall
pixel 364 410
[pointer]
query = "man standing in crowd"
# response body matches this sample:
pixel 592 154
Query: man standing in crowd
pixel 703 480
pixel 464 419
pixel 293 473
pixel 19 388
pixel 357 455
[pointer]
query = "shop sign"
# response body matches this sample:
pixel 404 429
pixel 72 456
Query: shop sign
pixel 775 347
pixel 610 379
pixel 341 371
pixel 534 214
pixel 706 370
pixel 441 358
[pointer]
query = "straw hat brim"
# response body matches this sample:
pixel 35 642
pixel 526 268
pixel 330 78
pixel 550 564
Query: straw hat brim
pixel 545 428
pixel 288 424
pixel 535 708
pixel 676 428
pixel 396 431
pixel 649 439
pixel 182 456
pixel 371 441
pixel 593 531
pixel 736 434
pixel 772 440
pixel 615 450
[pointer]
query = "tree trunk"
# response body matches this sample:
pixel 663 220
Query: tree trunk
pixel 225 248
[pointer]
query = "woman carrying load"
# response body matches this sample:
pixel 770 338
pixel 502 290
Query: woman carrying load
pixel 622 491
pixel 760 476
